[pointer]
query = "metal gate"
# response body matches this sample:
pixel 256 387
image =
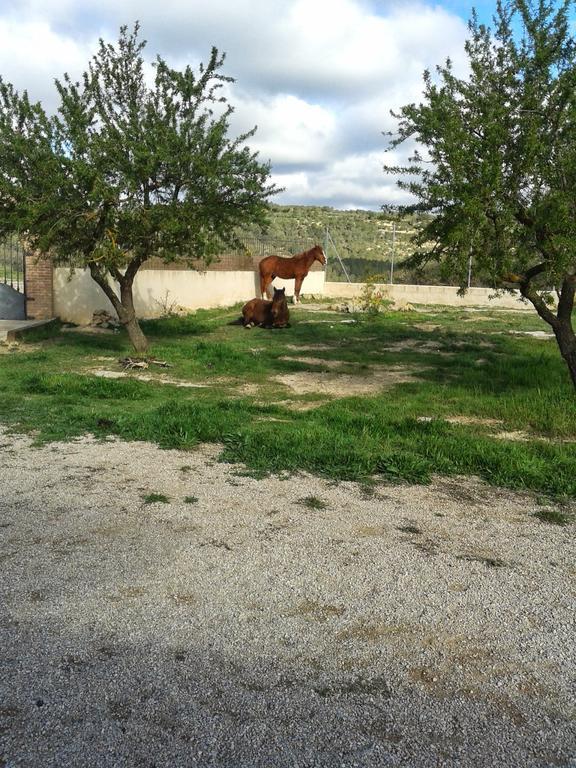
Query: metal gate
pixel 12 283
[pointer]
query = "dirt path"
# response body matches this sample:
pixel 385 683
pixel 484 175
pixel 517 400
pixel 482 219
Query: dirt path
pixel 237 625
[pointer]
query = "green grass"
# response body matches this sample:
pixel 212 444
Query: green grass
pixel 312 502
pixel 463 364
pixel 554 516
pixel 156 498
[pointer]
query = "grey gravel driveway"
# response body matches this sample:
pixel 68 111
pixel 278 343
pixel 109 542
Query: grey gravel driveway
pixel 234 625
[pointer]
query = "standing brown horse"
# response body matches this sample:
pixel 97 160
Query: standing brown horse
pixel 296 267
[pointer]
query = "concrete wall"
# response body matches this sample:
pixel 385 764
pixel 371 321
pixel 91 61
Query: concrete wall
pixel 431 294
pixel 156 292
pixel 77 297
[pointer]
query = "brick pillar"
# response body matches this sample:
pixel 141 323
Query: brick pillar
pixel 38 287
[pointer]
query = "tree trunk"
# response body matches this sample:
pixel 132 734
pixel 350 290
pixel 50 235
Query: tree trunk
pixel 561 322
pixel 567 343
pixel 124 305
pixel 128 318
pixel 136 336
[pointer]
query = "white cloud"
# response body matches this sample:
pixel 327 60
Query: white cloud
pixel 32 55
pixel 290 130
pixel 356 181
pixel 318 77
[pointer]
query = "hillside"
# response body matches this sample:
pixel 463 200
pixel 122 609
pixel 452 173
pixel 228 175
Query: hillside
pixel 364 240
pixel 367 243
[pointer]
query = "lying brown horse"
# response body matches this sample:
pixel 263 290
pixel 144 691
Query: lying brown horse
pixel 268 314
pixel 296 267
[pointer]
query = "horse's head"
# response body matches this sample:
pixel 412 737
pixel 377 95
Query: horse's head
pixel 319 254
pixel 279 294
pixel 279 309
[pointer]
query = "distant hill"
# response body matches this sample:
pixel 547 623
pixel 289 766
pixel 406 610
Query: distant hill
pixel 366 242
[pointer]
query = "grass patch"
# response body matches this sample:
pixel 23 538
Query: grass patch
pixel 554 516
pixel 156 498
pixel 462 364
pixel 191 499
pixel 312 502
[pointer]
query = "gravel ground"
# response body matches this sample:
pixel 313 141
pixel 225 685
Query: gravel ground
pixel 235 626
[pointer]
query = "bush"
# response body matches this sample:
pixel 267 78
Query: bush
pixel 374 299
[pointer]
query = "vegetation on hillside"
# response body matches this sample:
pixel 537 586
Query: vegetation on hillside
pixel 368 243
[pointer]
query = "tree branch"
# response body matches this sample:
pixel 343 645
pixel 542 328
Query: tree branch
pixel 524 283
pixel 99 278
pixel 133 267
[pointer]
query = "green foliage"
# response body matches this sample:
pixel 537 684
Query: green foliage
pixel 499 170
pixel 125 170
pixel 373 298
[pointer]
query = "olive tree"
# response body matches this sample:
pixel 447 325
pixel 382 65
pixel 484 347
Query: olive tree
pixel 129 168
pixel 496 164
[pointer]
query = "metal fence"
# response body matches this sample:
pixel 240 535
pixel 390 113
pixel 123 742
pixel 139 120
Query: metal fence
pixel 260 246
pixel 245 257
pixel 12 263
pixel 385 259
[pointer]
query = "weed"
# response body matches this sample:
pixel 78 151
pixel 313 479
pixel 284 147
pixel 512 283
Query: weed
pixel 409 529
pixel 367 487
pixel 554 516
pixel 191 499
pixel 155 498
pixel 312 502
pixel 255 474
pixel 373 298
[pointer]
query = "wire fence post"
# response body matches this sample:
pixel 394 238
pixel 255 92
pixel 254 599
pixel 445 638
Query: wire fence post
pixel 470 270
pixel 331 239
pixel 393 252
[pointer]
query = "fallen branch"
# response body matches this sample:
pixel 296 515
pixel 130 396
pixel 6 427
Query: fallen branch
pixel 141 362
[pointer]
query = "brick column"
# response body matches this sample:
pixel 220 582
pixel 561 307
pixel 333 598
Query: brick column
pixel 38 287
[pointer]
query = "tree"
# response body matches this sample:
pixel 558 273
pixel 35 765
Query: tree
pixel 499 175
pixel 126 171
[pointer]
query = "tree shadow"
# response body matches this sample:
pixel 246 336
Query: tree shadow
pixel 171 699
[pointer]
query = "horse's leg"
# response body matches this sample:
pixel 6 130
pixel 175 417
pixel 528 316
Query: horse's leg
pixel 265 281
pixel 297 286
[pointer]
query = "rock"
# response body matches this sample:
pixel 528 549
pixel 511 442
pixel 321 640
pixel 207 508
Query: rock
pixel 101 318
pixel 402 306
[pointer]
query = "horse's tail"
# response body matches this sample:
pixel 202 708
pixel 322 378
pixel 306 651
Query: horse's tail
pixel 238 321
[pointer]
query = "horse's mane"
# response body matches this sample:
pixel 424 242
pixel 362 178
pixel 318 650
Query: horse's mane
pixel 309 252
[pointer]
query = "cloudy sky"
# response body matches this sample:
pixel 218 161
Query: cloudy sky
pixel 318 77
